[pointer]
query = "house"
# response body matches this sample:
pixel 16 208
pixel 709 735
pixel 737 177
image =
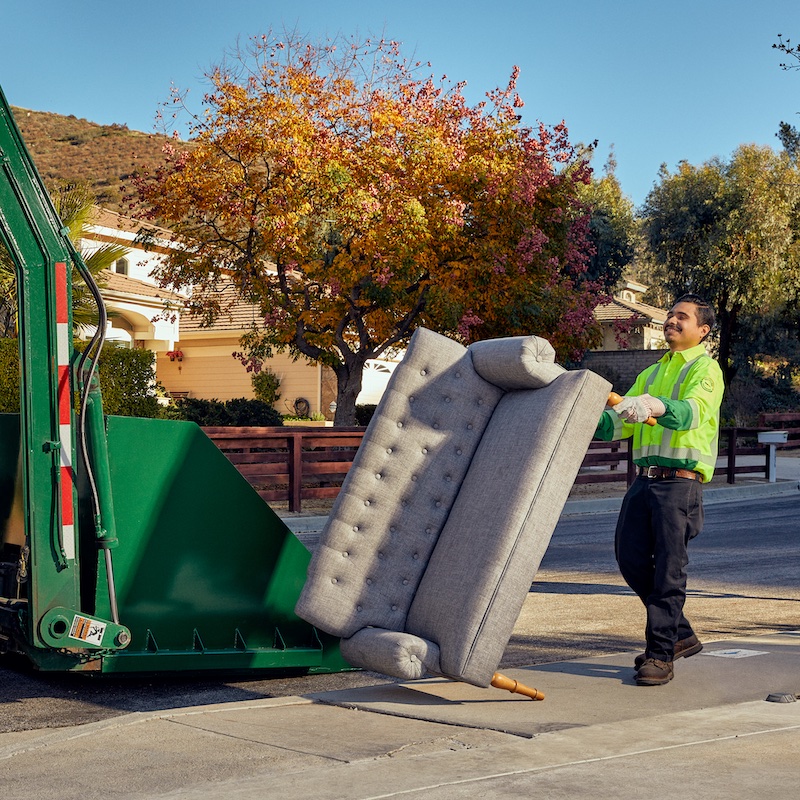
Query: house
pixel 633 337
pixel 630 324
pixel 191 360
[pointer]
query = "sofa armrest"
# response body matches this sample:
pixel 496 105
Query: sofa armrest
pixel 518 362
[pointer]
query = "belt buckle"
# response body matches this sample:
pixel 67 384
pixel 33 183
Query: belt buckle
pixel 651 474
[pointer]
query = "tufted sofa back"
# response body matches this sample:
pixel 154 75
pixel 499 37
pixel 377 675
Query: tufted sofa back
pixel 397 495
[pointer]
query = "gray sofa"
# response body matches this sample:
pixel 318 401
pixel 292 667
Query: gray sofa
pixel 438 531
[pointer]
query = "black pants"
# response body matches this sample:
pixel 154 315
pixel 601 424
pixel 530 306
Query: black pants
pixel 657 519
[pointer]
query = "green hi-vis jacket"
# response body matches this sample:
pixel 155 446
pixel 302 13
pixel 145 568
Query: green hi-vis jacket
pixel 689 383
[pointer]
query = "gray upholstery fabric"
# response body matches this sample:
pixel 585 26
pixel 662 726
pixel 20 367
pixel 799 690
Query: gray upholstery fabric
pixel 392 653
pixel 519 362
pixel 502 520
pixel 441 523
pixel 397 495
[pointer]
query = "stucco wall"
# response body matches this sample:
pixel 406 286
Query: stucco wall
pixel 209 371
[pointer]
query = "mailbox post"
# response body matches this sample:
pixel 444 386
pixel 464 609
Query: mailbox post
pixel 772 439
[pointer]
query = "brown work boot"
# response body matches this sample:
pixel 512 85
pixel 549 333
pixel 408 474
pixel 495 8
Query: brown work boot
pixel 654 673
pixel 690 646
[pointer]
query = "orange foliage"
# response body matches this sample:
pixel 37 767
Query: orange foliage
pixel 354 200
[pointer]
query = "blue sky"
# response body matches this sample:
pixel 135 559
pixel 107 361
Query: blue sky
pixel 660 82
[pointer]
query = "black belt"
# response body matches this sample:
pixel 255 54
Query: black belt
pixel 668 472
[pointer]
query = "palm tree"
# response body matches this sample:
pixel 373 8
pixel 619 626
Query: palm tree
pixel 73 204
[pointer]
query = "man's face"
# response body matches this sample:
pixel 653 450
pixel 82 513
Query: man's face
pixel 681 330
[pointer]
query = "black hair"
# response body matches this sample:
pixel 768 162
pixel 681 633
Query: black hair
pixel 703 311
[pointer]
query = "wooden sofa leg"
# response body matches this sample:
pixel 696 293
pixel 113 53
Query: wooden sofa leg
pixel 515 687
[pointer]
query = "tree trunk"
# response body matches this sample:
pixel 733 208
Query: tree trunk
pixel 348 386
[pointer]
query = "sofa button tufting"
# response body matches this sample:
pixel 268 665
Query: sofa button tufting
pixel 369 581
pixel 469 427
pixel 355 528
pixel 424 451
pixel 438 504
pixel 480 401
pixel 345 554
pixel 394 608
pixel 392 528
pixel 436 426
pixel 334 580
pixel 428 530
pixel 380 554
pixel 415 556
pixel 399 424
pixel 423 372
pixel 458 452
pixel 458 374
pixel 389 450
pixel 447 478
pixel 447 399
pixel 359 608
pixel 413 477
pixel 378 476
pixel 366 502
pixel 405 582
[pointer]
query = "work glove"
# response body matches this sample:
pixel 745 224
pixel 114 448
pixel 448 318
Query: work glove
pixel 639 408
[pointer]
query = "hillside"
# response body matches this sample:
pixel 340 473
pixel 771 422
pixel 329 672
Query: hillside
pixel 76 150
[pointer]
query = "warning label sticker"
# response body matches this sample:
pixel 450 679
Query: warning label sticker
pixel 87 630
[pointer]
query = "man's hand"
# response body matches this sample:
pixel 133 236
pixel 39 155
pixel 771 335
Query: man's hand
pixel 639 408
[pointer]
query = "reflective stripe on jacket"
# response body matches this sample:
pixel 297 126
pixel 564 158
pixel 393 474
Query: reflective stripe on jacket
pixel 689 383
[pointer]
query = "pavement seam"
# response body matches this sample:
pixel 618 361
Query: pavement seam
pixel 59 735
pixel 578 762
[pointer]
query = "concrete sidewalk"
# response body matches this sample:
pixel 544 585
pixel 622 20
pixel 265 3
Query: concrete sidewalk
pixel 727 726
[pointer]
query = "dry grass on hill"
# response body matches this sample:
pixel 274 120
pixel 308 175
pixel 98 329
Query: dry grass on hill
pixel 68 149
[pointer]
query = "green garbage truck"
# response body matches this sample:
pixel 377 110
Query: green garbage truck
pixel 126 545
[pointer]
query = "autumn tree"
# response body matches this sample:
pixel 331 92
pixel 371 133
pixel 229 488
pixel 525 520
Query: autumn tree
pixel 354 199
pixel 727 231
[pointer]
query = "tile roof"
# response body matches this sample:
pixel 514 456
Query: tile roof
pixel 122 284
pixel 629 309
pixel 236 315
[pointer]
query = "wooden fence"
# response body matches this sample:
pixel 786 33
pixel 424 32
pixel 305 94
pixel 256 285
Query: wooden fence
pixel 296 464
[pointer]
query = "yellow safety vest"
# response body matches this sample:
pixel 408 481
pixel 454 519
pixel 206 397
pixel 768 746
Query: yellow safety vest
pixel 689 383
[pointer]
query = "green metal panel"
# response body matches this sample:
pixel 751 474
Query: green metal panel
pixel 207 575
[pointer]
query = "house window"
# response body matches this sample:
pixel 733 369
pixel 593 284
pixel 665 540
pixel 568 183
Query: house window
pixel 121 266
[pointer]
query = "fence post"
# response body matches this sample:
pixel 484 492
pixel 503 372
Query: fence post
pixel 295 442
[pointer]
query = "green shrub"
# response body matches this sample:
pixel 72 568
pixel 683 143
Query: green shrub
pixel 239 412
pixel 266 385
pixel 364 413
pixel 127 381
pixel 9 376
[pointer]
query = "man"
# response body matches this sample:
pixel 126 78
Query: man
pixel 663 508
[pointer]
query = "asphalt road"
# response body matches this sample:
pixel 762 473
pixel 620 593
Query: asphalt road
pixel 743 579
